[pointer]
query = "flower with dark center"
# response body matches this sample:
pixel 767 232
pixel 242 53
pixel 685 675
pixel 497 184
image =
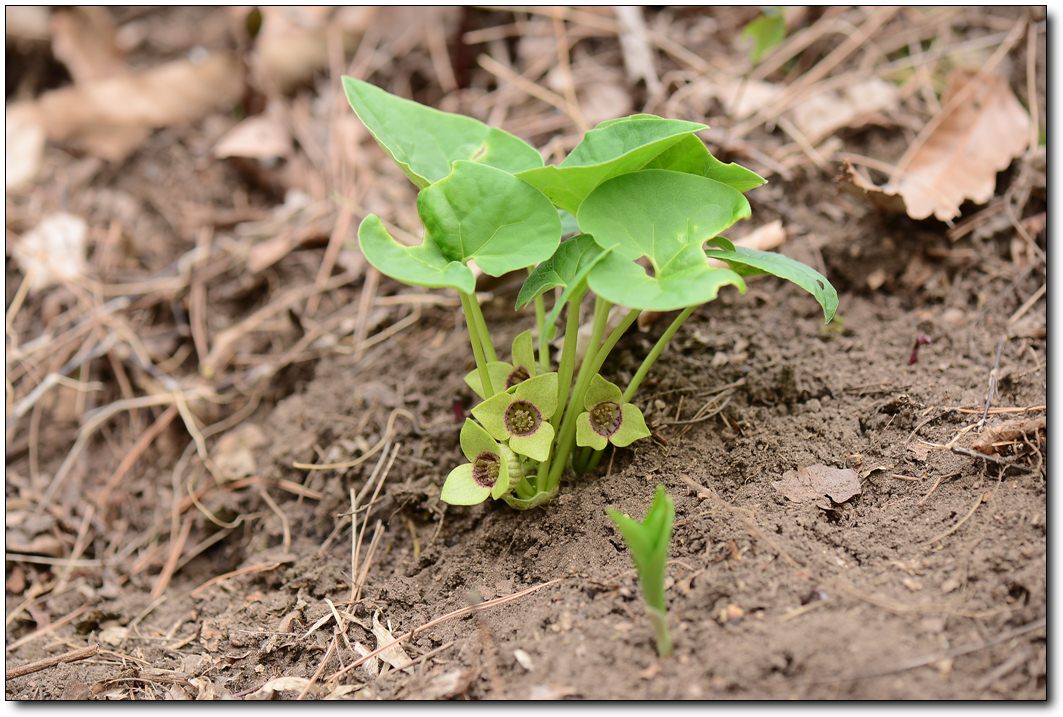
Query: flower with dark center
pixel 519 415
pixel 504 375
pixel 486 473
pixel 607 419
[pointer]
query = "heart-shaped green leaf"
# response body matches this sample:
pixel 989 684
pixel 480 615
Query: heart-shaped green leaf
pixel 422 265
pixel 424 141
pixel 612 148
pixel 569 265
pixel 483 213
pixel 664 218
pixel 691 156
pixel 750 262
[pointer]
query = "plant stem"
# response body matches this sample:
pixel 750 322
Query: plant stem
pixel 481 327
pixel 607 346
pixel 659 620
pixel 567 432
pixel 467 302
pixel 540 324
pixel 655 352
pixel 568 354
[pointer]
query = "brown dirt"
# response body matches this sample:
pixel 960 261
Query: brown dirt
pixel 931 584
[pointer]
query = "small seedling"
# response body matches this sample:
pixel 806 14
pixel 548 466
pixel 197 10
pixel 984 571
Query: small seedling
pixel 648 543
pixel 631 217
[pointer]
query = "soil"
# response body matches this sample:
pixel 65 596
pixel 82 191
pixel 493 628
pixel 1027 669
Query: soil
pixel 929 584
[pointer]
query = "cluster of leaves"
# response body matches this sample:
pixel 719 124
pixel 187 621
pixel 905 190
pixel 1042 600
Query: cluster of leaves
pixel 646 202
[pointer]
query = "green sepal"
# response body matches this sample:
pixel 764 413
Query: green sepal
pixel 751 262
pixel 424 141
pixel 422 265
pixel 475 440
pixel 542 391
pixel 497 370
pixel 492 414
pixel 632 426
pixel 460 489
pixel 612 148
pixel 481 213
pixel 601 390
pixel 586 435
pixel 522 352
pixel 538 444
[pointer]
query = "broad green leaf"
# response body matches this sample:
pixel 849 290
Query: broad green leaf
pixel 609 150
pixel 632 426
pixel 568 266
pixel 485 214
pixel 424 141
pixel 750 262
pixel 766 31
pixel 422 265
pixel 664 218
pixel 693 157
pixel 460 488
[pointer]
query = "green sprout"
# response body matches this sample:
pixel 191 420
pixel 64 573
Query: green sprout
pixel 766 32
pixel 632 217
pixel 648 543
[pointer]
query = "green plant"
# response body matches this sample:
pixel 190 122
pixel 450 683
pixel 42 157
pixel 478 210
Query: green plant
pixel 766 31
pixel 644 203
pixel 648 543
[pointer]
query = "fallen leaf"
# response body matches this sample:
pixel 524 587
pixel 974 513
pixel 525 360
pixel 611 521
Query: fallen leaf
pixel 982 127
pixel 263 136
pixel 27 22
pixel 394 655
pixel 815 481
pixel 372 665
pixel 83 39
pixel 999 437
pixel 824 113
pixel 342 692
pixel 25 147
pixel 279 684
pixel 54 251
pixel 110 118
pixel 448 685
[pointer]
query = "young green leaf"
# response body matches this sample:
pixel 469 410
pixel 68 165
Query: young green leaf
pixel 648 542
pixel 692 157
pixel 750 262
pixel 424 141
pixel 607 418
pixel 482 213
pixel 422 265
pixel 612 148
pixel 766 31
pixel 568 266
pixel 664 217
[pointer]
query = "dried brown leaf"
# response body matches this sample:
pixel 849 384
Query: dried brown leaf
pixel 394 655
pixel 981 129
pixel 815 481
pixel 997 438
pixel 84 39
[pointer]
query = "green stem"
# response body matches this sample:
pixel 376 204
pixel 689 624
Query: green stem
pixel 567 433
pixel 481 327
pixel 540 324
pixel 467 302
pixel 568 353
pixel 655 352
pixel 606 348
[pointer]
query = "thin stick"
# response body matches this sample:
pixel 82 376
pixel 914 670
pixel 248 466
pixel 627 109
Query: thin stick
pixel 50 627
pixel 983 498
pixel 991 390
pixel 171 561
pixel 1028 304
pixel 73 656
pixel 248 570
pixel 461 612
pixel 142 444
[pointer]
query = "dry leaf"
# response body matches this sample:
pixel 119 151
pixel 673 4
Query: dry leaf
pixel 54 251
pixel 636 48
pixel 998 437
pixel 448 685
pixel 824 113
pixel 110 118
pixel 25 147
pixel 279 684
pixel 83 39
pixel 981 129
pixel 27 22
pixel 263 136
pixel 815 481
pixel 394 655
